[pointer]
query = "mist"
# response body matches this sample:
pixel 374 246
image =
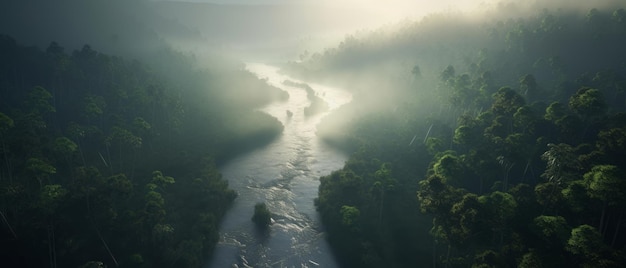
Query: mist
pixel 353 133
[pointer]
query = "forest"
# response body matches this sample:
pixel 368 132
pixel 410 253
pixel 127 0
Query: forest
pixel 492 142
pixel 112 162
pixel 488 139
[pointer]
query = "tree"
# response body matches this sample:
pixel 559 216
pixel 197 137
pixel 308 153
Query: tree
pixel 40 169
pixel 160 180
pixel 416 72
pixel 39 101
pixel 120 186
pixel 576 196
pixel 562 165
pixel 528 87
pixel 531 260
pixel 586 243
pixel 65 149
pixel 436 196
pixel 499 207
pixel 552 230
pixel 467 220
pixel 384 182
pixel 50 197
pixel 555 111
pixel 506 102
pixel 466 135
pixel 262 216
pixel 487 259
pixel 93 108
pixel 349 216
pixel 607 184
pixel 124 139
pixel 154 208
pixel 525 120
pixel 588 102
pixel 450 167
pixel 6 123
pixel 447 74
pixel 611 143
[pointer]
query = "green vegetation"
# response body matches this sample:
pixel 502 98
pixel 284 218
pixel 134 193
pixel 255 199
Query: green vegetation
pixel 491 144
pixel 111 162
pixel 262 216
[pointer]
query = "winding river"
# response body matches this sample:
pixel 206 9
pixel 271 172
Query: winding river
pixel 285 175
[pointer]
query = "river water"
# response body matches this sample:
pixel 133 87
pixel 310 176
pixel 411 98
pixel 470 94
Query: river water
pixel 285 175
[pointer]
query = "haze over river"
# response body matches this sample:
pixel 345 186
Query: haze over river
pixel 285 175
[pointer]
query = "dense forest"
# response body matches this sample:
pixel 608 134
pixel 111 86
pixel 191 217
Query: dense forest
pixel 491 142
pixel 487 139
pixel 112 162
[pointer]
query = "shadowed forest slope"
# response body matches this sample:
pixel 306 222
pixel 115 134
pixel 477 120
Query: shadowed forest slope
pixel 107 161
pixel 479 142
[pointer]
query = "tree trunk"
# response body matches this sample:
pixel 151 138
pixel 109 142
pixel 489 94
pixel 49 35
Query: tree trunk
pixel 80 150
pixel 619 223
pixel 434 253
pixel 601 227
pixel 448 256
pixel 380 212
pixel 6 160
pixel 51 245
pixel 106 246
pixel 8 225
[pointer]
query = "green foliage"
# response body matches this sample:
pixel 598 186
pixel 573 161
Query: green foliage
pixel 512 153
pixel 90 145
pixel 506 101
pixel 5 123
pixel 39 101
pixel 499 206
pixel 606 182
pixel 50 197
pixel 588 102
pixel 40 168
pixel 531 260
pixel 160 180
pixel 124 138
pixel 553 230
pixel 349 215
pixel 64 146
pixel 449 167
pixel 262 216
pixel 120 183
pixel 586 242
pixel 555 111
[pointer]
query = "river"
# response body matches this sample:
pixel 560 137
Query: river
pixel 285 175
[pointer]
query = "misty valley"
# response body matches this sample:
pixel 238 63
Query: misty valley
pixel 275 133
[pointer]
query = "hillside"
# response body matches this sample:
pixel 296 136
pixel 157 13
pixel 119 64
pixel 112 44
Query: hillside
pixel 112 162
pixel 479 142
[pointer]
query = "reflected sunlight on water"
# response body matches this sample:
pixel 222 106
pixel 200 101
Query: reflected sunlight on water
pixel 284 175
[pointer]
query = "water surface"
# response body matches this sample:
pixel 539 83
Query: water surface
pixel 285 175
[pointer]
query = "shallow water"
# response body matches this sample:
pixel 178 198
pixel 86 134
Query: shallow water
pixel 285 175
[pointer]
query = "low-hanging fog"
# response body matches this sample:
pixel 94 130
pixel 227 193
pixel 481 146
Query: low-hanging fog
pixel 346 133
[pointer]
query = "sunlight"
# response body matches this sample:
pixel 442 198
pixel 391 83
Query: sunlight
pixel 394 10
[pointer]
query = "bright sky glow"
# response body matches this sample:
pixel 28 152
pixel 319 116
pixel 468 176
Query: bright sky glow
pixel 387 10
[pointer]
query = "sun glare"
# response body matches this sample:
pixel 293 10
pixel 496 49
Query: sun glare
pixel 395 10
